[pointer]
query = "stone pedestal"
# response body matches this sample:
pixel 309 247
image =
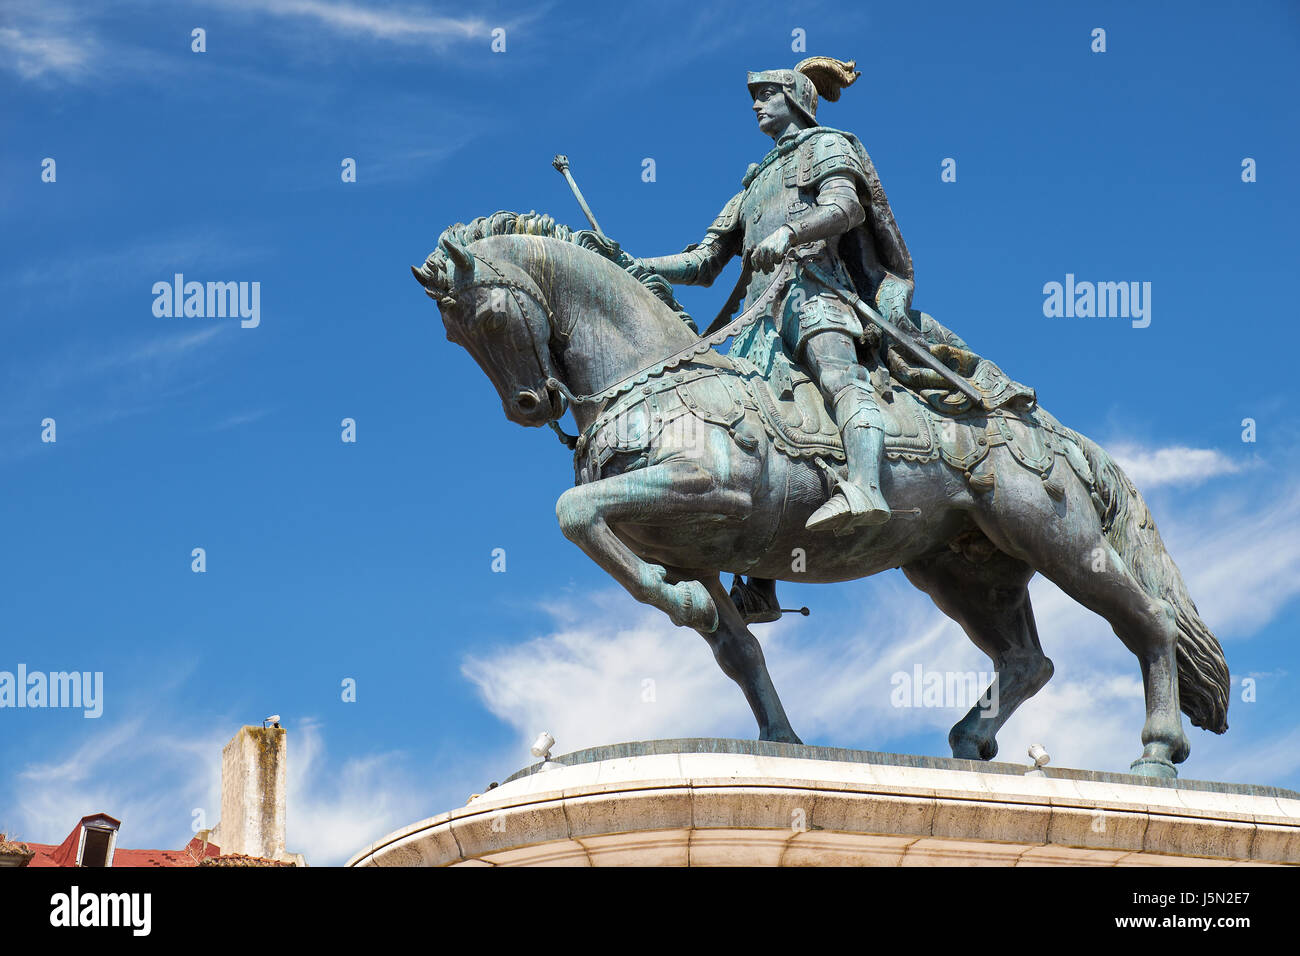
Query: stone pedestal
pixel 709 802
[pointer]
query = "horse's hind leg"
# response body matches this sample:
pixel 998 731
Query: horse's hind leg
pixel 1100 580
pixel 1065 544
pixel 988 595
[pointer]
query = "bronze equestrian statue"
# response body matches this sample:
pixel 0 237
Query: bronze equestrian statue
pixel 843 434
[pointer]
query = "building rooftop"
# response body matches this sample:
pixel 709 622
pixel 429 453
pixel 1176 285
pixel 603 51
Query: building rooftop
pixel 93 842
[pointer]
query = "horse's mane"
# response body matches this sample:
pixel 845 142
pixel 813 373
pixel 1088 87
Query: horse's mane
pixel 438 269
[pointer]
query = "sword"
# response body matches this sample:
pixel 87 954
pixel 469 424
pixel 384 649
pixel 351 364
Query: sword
pixel 913 348
pixel 561 163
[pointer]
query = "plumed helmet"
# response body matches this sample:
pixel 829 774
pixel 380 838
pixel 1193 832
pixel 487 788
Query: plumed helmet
pixel 816 75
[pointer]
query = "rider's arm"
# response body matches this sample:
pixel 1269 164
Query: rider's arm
pixel 701 263
pixel 836 211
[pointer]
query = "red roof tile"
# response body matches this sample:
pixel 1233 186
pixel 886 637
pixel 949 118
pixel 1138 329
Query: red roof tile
pixel 65 854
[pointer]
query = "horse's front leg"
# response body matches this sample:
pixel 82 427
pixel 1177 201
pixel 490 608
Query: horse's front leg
pixel 666 495
pixel 656 496
pixel 738 653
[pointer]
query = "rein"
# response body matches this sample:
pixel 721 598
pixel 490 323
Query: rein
pixel 706 342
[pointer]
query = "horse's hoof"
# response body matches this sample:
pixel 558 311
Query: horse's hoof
pixel 972 748
pixel 965 750
pixel 694 607
pixel 1154 767
pixel 781 737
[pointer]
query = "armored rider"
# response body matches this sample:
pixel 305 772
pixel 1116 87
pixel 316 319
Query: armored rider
pixel 817 190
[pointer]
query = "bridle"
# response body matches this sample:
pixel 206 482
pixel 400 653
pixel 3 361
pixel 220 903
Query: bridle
pixel 530 289
pixel 706 342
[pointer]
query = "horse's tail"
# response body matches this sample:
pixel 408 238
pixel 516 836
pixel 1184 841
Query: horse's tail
pixel 1203 680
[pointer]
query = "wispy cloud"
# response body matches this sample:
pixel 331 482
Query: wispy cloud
pixel 76 365
pixel 84 385
pixel 1240 555
pixel 46 41
pixel 84 378
pixel 151 780
pixel 336 808
pixel 376 22
pixel 586 682
pixel 243 418
pixel 33 56
pixel 1278 751
pixel 155 257
pixel 51 42
pixel 1172 465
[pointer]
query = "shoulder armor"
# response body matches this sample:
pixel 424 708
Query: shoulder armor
pixel 729 217
pixel 829 154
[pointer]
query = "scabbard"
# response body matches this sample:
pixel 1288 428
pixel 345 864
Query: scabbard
pixel 914 349
pixel 733 301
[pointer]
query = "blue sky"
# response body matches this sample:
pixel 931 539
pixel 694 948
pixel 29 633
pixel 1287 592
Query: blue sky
pixel 372 560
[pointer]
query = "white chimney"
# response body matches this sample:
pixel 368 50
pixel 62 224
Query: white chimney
pixel 252 794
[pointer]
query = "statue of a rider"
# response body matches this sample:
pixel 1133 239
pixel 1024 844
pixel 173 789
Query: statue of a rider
pixel 817 192
pixel 816 189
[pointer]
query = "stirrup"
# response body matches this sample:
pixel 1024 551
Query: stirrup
pixel 851 506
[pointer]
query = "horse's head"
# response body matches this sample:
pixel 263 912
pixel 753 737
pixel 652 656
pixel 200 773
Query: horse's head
pixel 497 313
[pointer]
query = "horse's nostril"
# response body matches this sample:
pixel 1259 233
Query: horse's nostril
pixel 527 400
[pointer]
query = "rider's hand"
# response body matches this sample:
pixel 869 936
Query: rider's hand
pixel 771 250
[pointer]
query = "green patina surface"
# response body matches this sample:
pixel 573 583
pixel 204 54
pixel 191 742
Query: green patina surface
pixel 970 499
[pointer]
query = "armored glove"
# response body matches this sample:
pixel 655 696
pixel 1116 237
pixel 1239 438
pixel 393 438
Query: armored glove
pixel 771 250
pixel 893 296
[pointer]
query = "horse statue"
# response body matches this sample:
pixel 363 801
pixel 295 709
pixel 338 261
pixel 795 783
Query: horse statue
pixel 687 465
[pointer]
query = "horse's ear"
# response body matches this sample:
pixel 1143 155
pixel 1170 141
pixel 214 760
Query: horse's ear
pixel 459 255
pixel 431 288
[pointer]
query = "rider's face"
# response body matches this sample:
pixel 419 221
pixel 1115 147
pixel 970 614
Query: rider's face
pixel 773 112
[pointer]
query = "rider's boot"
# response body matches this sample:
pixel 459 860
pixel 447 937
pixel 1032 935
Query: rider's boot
pixel 858 500
pixel 755 599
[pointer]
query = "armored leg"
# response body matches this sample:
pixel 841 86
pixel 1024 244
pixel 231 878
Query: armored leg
pixel 857 501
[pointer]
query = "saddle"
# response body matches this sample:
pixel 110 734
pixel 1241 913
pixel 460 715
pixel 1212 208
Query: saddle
pixel 791 411
pixel 798 423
